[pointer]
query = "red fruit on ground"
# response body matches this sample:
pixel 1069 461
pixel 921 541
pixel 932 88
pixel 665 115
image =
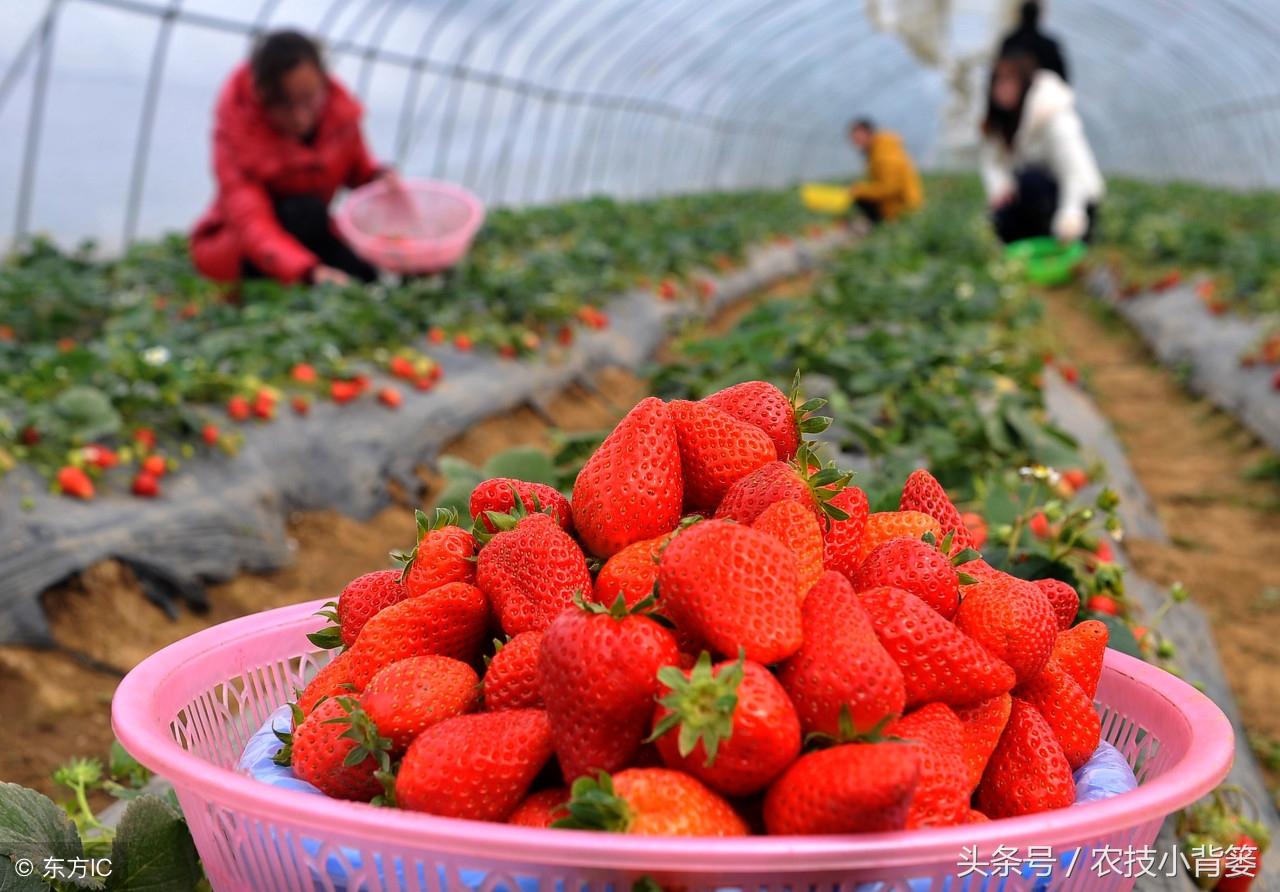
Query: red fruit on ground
pixel 762 404
pixel 667 289
pixel 531 573
pixel 1012 619
pixel 982 724
pixel 843 538
pixel 1067 709
pixel 1028 772
pixel 264 405
pixel 409 696
pixel 794 525
pixel 885 525
pixel 145 437
pixel 344 391
pixel 512 679
pixel 922 492
pixel 301 405
pixel 321 748
pixel 1103 604
pixel 74 482
pixel 463 342
pixel 499 494
pixel 100 456
pixel 1063 598
pixel 390 397
pixel 716 451
pixel 942 794
pixel 402 367
pixel 303 373
pixel 155 465
pixel 853 788
pixel 238 408
pixel 1069 373
pixel 1080 651
pixel 145 485
pixel 915 566
pixel 210 434
pixel 632 487
pixel 436 335
pixel 976 524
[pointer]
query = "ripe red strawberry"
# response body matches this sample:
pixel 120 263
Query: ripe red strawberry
pixel 778 481
pixel 301 405
pixel 1103 604
pixel 915 566
pixel 631 488
pixel 761 404
pixel 344 391
pixel 942 793
pixel 501 495
pixel 1064 600
pixel 733 587
pixel 1075 478
pixel 982 723
pixel 843 538
pixel 463 342
pixel 303 373
pixel 238 408
pixel 449 621
pixel 795 526
pixel 100 456
pixel 531 573
pixel 361 600
pixel 922 492
pixel 598 672
pixel 445 553
pixel 335 679
pixel 885 525
pixel 390 397
pixel 667 289
pixel 155 465
pixel 976 524
pixel 145 485
pixel 407 697
pixel 264 405
pixel 476 766
pixel 841 666
pixel 210 434
pixel 1028 772
pixel 74 482
pixel 324 743
pixel 145 437
pixel 436 335
pixel 1246 863
pixel 542 809
pixel 631 573
pixel 1012 619
pixel 716 451
pixel 731 727
pixel 402 367
pixel 650 802
pixel 1080 650
pixel 938 661
pixel 512 680
pixel 853 788
pixel 1066 708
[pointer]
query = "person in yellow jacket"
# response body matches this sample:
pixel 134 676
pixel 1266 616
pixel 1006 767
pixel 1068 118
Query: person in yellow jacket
pixel 892 186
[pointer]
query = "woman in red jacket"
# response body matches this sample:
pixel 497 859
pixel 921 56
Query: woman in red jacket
pixel 286 136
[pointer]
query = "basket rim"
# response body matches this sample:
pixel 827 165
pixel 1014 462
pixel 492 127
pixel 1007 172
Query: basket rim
pixel 345 211
pixel 1206 761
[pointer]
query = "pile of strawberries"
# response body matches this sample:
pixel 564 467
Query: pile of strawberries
pixel 714 637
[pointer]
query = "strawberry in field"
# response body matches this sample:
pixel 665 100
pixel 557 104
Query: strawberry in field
pixel 922 492
pixel 301 404
pixel 445 553
pixel 1064 600
pixel 1028 772
pixel 361 600
pixel 512 680
pixel 74 482
pixel 941 798
pixel 852 788
pixel 1067 709
pixel 982 724
pixel 650 802
pixel 1079 650
pixel 976 524
pixel 733 587
pixel 762 404
pixel 1103 604
pixel 732 726
pixel 531 573
pixel 598 671
pixel 476 766
pixel 335 679
pixel 841 668
pixel 145 485
pixel 632 487
pixel 883 526
pixel 542 809
pixel 501 495
pixel 938 661
pixel 303 373
pixel 390 397
pixel 210 434
pixel 716 451
pixel 631 573
pixel 337 750
pixel 408 697
pixel 100 456
pixel 843 538
pixel 155 465
pixel 1012 619
pixel 779 481
pixel 915 566
pixel 449 621
pixel 795 526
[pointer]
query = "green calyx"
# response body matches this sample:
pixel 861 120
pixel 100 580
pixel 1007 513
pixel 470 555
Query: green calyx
pixel 646 606
pixel 284 755
pixel 847 733
pixel 593 805
pixel 426 524
pixel 961 557
pixel 802 411
pixel 502 521
pixel 330 636
pixel 701 704
pixel 825 483
pixel 362 730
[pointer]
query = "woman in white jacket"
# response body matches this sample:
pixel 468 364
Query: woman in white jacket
pixel 1039 172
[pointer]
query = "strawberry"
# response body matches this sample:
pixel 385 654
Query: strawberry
pixel 938 661
pixel 1245 863
pixel 1067 709
pixel 632 487
pixel 941 798
pixel 155 465
pixel 542 809
pixel 303 373
pixel 449 621
pixel 915 566
pixel 735 588
pixel 922 492
pixel 768 408
pixel 885 525
pixel 407 697
pixel 793 525
pixel 74 482
pixel 502 494
pixel 1064 600
pixel 1075 478
pixel 390 397
pixel 463 342
pixel 333 680
pixel 981 724
pixel 667 289
pixel 238 408
pixel 531 573
pixel 779 481
pixel 731 727
pixel 1027 772
pixel 1103 604
pixel 300 404
pixel 631 573
pixel 852 788
pixel 436 335
pixel 512 680
pixel 976 524
pixel 841 666
pixel 843 538
pixel 445 553
pixel 145 437
pixel 1012 619
pixel 402 367
pixel 100 456
pixel 598 670
pixel 650 802
pixel 361 600
pixel 344 391
pixel 476 766
pixel 1039 525
pixel 716 450
pixel 333 750
pixel 264 405
pixel 1080 650
pixel 145 485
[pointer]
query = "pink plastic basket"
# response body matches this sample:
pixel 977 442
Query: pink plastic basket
pixel 417 226
pixel 187 711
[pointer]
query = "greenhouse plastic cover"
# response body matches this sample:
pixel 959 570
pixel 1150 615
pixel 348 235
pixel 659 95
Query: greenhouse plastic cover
pixel 105 105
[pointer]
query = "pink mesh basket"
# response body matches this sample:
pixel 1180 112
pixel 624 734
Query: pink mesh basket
pixel 187 712
pixel 415 226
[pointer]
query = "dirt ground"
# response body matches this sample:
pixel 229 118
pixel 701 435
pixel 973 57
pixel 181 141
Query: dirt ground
pixel 1191 458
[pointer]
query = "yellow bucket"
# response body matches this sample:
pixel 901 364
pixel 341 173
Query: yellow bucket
pixel 825 199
